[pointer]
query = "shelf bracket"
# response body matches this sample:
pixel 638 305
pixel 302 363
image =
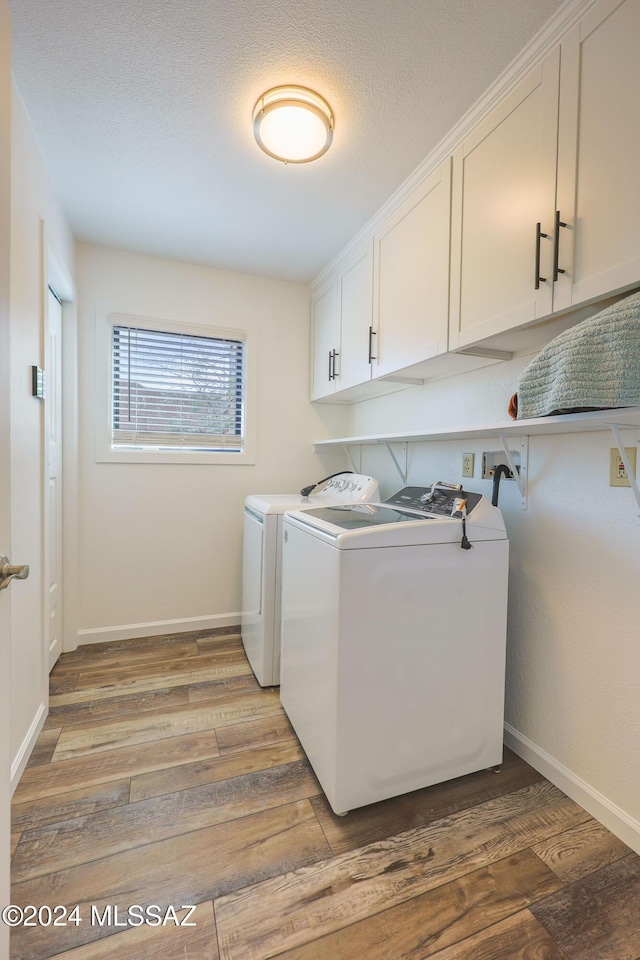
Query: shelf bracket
pixel 520 476
pixel 403 473
pixel 633 480
pixel 357 468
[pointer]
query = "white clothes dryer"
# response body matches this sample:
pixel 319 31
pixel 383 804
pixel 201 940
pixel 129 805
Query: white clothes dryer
pixel 393 640
pixel 262 558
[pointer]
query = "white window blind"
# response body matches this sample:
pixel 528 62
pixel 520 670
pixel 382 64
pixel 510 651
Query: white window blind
pixel 174 390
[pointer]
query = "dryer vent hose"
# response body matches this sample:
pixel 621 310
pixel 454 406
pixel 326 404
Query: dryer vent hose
pixel 502 470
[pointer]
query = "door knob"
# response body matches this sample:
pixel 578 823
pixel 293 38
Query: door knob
pixel 9 571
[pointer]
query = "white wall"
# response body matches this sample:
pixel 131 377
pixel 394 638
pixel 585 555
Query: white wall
pixel 160 544
pixel 33 200
pixel 573 653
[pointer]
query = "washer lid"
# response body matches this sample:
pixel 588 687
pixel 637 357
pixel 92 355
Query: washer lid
pixel 359 526
pixel 360 516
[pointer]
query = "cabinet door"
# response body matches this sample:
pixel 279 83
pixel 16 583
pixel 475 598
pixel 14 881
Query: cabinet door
pixel 504 177
pixel 355 290
pixel 411 277
pixel 598 176
pixel 324 330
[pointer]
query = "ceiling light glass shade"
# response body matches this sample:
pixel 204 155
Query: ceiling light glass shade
pixel 293 124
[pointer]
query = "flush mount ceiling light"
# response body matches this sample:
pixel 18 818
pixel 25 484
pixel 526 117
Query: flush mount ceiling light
pixel 293 124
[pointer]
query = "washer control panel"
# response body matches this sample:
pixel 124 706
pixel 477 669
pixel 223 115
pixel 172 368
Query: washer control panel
pixel 434 500
pixel 348 488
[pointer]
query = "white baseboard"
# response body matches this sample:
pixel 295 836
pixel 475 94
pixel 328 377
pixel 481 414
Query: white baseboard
pixel 608 813
pixel 155 628
pixel 27 745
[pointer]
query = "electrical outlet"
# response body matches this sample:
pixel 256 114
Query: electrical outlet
pixel 617 473
pixel 468 464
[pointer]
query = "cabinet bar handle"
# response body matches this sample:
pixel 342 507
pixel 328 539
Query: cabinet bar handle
pixel 539 235
pixel 556 246
pixel 330 365
pixel 372 334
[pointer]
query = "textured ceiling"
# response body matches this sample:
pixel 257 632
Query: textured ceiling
pixel 143 111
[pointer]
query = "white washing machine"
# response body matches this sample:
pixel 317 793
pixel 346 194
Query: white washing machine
pixel 261 563
pixel 393 640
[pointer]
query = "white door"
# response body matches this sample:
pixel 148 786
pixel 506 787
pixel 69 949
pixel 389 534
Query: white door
pixel 53 479
pixel 598 182
pixel 357 337
pixel 5 453
pixel 324 331
pixel 504 177
pixel 411 270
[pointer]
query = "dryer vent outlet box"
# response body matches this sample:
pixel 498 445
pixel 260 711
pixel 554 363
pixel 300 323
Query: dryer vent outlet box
pixel 493 458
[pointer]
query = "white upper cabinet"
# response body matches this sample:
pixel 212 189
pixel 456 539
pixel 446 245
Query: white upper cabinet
pixel 325 339
pixel 411 277
pixel 504 176
pixel 355 294
pixel 341 322
pixel 561 150
pixel 537 212
pixel 599 154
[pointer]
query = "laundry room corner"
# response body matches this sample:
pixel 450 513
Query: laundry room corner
pixel 161 543
pixel 571 697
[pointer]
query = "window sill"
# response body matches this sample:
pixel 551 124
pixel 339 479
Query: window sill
pixel 175 456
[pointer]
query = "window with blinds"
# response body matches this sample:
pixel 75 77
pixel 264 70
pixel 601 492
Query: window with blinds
pixel 177 391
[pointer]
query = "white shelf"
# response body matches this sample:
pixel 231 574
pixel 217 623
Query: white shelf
pixel 614 420
pixel 570 423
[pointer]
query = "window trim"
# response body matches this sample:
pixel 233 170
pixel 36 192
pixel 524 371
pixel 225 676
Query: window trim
pixel 105 453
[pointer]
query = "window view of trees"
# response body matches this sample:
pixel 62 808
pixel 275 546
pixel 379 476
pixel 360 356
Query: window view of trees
pixel 176 389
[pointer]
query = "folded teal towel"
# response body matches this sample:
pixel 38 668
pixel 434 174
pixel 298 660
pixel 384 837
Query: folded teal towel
pixel 593 365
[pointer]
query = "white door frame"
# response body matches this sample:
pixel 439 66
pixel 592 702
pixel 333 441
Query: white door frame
pixel 53 481
pixel 60 281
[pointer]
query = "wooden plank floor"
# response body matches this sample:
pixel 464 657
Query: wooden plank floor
pixel 165 776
